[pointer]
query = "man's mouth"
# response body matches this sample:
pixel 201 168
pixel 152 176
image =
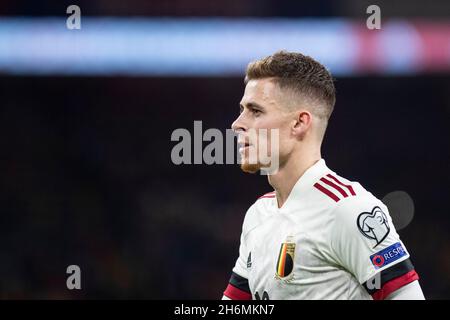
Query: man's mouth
pixel 243 146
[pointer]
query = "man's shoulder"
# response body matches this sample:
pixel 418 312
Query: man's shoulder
pixel 346 198
pixel 332 188
pixel 334 191
pixel 259 210
pixel 348 207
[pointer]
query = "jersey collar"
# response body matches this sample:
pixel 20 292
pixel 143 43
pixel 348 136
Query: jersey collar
pixel 305 182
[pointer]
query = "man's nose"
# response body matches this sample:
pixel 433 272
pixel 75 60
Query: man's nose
pixel 238 124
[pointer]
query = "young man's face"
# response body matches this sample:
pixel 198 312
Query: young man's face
pixel 262 108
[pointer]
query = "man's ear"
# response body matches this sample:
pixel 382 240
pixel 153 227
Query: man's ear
pixel 302 123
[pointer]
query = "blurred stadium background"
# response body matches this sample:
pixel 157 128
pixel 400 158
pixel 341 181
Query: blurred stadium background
pixel 87 116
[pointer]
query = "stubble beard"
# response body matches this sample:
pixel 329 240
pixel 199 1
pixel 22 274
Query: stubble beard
pixel 250 167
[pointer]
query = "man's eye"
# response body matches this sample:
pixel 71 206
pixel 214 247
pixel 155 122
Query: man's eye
pixel 256 111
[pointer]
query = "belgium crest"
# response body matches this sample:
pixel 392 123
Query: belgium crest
pixel 285 261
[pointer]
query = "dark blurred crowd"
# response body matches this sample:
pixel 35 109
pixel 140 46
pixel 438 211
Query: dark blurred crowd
pixel 87 179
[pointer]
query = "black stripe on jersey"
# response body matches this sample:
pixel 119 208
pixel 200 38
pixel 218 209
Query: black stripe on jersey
pixel 387 275
pixel 239 282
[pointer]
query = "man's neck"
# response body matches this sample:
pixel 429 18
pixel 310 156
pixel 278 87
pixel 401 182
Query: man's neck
pixel 286 177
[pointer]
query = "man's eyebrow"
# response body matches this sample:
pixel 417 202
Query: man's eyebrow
pixel 251 105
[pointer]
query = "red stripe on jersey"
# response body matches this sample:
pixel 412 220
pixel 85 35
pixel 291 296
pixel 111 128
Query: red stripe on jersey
pixel 236 294
pixel 268 195
pixel 326 191
pixel 395 284
pixel 331 184
pixel 349 187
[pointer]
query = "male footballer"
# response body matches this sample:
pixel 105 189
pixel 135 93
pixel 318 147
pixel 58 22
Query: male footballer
pixel 317 235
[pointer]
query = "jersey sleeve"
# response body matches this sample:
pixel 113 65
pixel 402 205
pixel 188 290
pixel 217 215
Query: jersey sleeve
pixel 364 242
pixel 238 288
pixel 240 266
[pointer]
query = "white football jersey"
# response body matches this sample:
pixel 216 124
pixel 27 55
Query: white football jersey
pixel 331 239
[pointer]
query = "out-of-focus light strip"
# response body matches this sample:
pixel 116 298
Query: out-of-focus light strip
pixel 214 47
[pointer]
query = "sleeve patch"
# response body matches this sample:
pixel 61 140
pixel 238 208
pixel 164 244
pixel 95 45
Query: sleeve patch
pixel 388 255
pixel 374 225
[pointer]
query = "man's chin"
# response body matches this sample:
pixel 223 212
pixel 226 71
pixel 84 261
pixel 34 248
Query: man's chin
pixel 255 167
pixel 250 167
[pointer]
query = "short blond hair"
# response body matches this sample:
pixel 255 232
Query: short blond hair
pixel 301 74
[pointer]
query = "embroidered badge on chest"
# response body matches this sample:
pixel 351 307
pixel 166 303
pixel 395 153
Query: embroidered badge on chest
pixel 285 261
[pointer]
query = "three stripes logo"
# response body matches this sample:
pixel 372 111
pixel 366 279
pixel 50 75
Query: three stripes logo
pixel 333 188
pixel 285 262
